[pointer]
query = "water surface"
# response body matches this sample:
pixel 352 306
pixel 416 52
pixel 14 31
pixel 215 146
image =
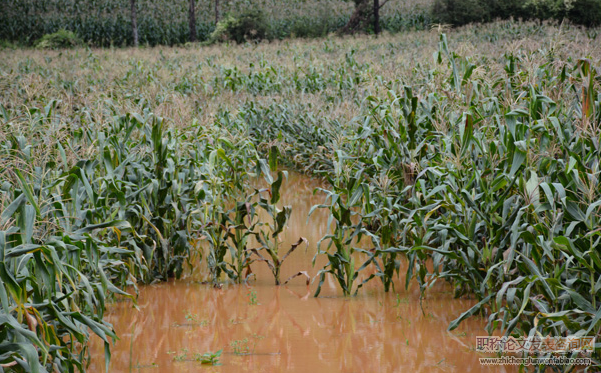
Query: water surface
pixel 264 328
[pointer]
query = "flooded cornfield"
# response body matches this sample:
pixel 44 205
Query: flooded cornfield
pixel 423 201
pixel 265 328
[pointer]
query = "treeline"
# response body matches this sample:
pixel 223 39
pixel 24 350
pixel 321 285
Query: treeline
pixel 461 12
pixel 109 22
pixel 146 22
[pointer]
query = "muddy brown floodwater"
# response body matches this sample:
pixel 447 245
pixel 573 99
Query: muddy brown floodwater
pixel 264 328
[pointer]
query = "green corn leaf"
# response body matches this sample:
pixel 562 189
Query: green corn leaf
pixel 455 323
pixel 28 192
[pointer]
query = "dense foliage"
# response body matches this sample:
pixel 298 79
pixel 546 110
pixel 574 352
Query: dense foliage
pixel 90 209
pixel 108 22
pixel 479 167
pixel 486 178
pixel 461 12
pixel 78 228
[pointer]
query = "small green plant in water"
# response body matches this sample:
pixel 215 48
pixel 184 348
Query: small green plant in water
pixel 399 300
pixel 209 358
pixel 245 346
pixel 252 297
pixel 181 356
pixel 191 317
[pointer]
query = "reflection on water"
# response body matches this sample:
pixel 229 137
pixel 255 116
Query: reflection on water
pixel 286 329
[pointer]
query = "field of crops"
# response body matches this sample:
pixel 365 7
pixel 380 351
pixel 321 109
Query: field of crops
pixel 472 155
pixel 108 23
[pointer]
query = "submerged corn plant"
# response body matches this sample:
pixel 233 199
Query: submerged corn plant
pixel 345 205
pixel 228 229
pixel 232 233
pixel 242 227
pixel 76 232
pixel 493 179
pixel 269 239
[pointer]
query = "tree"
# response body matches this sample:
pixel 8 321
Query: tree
pixel 192 20
pixel 134 21
pixel 217 11
pixel 377 16
pixel 362 15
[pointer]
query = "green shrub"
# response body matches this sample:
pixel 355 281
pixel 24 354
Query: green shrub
pixel 222 28
pixel 5 44
pixel 250 25
pixel 59 39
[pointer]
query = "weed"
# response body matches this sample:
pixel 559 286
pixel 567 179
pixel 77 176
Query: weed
pixel 209 358
pixel 191 317
pixel 182 356
pixel 252 297
pixel 245 346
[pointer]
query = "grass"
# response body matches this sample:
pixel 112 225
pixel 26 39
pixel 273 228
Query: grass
pixel 476 150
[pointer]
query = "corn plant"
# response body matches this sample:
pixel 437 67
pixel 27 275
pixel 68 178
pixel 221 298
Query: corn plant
pixel 240 232
pixel 55 278
pixel 344 201
pixel 227 229
pixel 269 238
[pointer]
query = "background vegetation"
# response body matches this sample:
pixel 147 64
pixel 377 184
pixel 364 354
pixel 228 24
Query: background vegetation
pixel 108 22
pixel 461 12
